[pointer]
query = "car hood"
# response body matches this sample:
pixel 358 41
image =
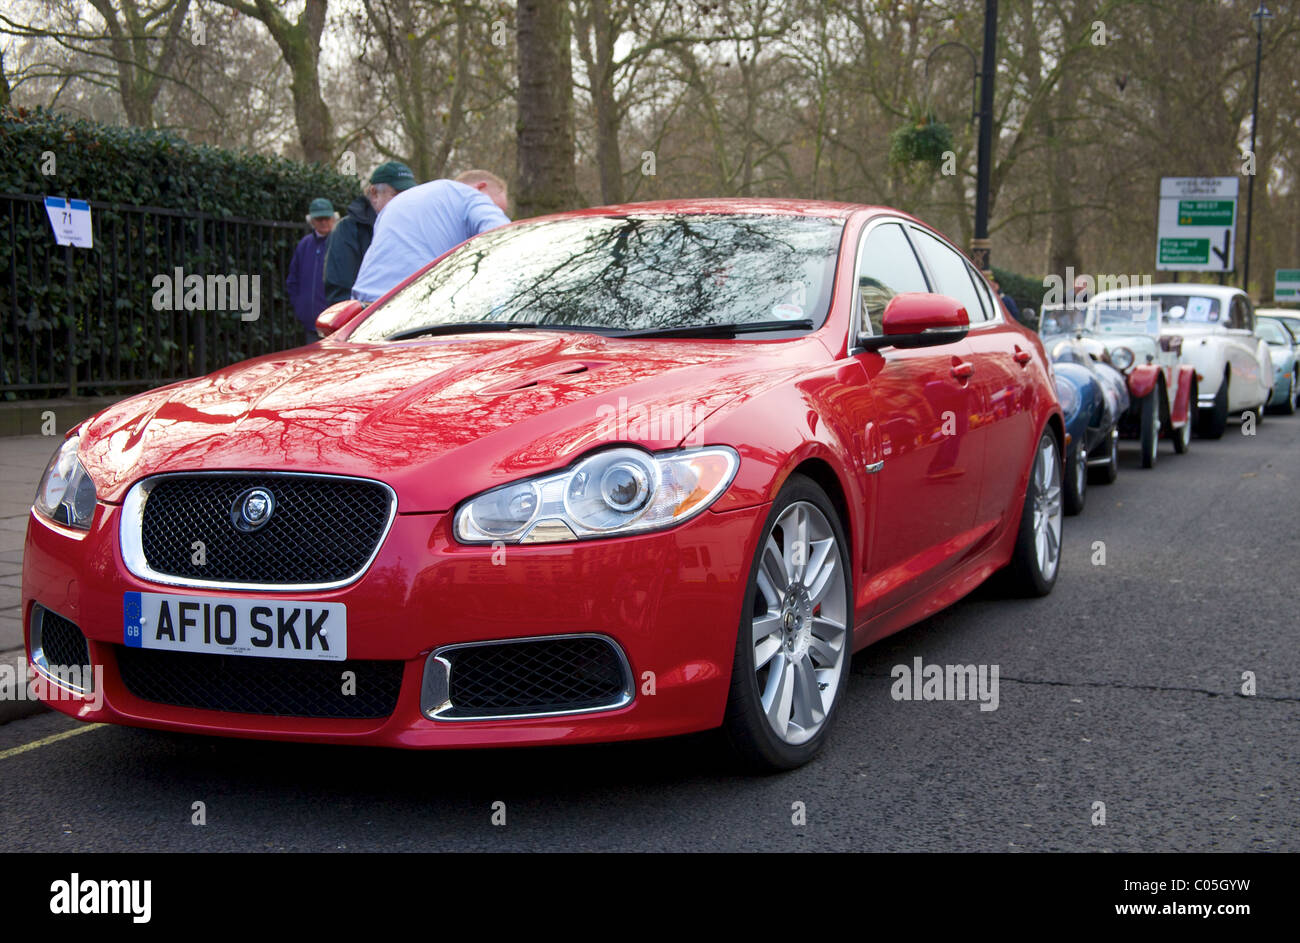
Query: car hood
pixel 438 419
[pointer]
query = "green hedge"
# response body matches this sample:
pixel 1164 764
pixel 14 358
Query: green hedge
pixel 97 318
pixel 157 168
pixel 1027 292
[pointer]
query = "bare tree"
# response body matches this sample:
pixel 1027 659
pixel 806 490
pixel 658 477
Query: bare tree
pixel 132 48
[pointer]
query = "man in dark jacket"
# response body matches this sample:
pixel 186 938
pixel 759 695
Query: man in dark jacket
pixel 306 283
pixel 351 237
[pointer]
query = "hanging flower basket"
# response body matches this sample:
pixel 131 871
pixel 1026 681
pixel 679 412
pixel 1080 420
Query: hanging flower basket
pixel 923 140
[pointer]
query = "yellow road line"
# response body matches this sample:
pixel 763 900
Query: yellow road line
pixel 46 741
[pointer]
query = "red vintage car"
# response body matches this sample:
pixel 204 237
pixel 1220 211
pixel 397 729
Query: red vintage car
pixel 620 473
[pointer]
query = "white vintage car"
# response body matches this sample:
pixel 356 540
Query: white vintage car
pixel 1127 332
pixel 1215 326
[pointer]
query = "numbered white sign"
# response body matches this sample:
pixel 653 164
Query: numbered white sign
pixel 70 220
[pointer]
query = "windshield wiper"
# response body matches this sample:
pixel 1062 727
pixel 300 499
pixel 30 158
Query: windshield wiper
pixel 721 330
pixel 482 327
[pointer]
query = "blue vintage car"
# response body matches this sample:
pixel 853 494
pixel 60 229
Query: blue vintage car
pixel 1093 395
pixel 1284 351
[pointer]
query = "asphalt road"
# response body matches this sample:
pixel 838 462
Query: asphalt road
pixel 1122 687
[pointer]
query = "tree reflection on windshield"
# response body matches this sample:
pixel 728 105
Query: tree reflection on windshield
pixel 627 273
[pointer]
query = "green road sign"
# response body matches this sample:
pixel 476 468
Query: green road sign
pixel 1205 212
pixel 1286 284
pixel 1185 251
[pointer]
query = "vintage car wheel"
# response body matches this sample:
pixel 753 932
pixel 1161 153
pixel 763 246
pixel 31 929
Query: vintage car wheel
pixel 1289 406
pixel 1183 434
pixel 1213 422
pixel 1151 428
pixel 1106 474
pixel 1036 559
pixel 796 635
pixel 1076 483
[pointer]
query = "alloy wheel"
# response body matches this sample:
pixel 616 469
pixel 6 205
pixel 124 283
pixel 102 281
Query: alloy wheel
pixel 1047 507
pixel 799 628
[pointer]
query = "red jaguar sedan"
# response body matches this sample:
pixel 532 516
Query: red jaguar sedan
pixel 626 472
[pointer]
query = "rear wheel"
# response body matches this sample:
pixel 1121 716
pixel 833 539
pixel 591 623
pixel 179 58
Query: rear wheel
pixel 1106 474
pixel 1151 428
pixel 1076 482
pixel 795 636
pixel 1213 422
pixel 1037 555
pixel 1288 407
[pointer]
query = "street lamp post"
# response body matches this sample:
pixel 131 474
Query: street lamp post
pixel 981 253
pixel 1259 16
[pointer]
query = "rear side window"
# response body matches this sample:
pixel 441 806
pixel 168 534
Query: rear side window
pixel 887 266
pixel 1241 313
pixel 953 275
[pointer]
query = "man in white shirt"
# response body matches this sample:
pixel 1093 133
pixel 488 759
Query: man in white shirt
pixel 420 224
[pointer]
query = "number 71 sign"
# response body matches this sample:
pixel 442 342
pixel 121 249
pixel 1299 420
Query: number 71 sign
pixel 70 220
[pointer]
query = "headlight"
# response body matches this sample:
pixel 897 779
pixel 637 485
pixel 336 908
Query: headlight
pixel 1069 398
pixel 66 494
pixel 611 493
pixel 1122 358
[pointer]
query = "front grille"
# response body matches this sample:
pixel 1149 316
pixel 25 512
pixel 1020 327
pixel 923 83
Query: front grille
pixel 322 529
pixel 62 643
pixel 535 676
pixel 280 687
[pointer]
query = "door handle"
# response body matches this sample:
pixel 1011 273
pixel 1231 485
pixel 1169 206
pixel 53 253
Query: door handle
pixel 1022 357
pixel 963 371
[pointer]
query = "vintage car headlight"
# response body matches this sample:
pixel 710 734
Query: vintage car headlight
pixel 1069 397
pixel 609 493
pixel 66 495
pixel 1122 358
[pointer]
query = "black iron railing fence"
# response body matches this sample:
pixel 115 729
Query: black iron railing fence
pixel 94 321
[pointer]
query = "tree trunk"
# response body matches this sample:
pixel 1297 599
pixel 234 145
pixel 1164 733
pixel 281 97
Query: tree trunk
pixel 606 105
pixel 545 126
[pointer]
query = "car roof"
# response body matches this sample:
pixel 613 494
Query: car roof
pixel 736 205
pixel 1221 292
pixel 1292 313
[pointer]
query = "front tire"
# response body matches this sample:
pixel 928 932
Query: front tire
pixel 1151 428
pixel 795 638
pixel 1183 436
pixel 1036 559
pixel 1106 474
pixel 1076 483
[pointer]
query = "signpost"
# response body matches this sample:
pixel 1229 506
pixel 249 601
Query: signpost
pixel 1286 284
pixel 1197 224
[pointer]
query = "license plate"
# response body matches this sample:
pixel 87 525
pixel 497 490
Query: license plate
pixel 270 628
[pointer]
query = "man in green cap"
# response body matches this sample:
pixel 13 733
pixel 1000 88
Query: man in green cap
pixel 306 271
pixel 351 238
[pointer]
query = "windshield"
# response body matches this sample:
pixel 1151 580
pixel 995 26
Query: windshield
pixel 641 272
pixel 1273 333
pixel 1060 319
pixel 1125 316
pixel 1190 309
pixel 1292 324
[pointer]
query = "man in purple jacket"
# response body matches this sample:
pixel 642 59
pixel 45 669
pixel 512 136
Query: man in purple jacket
pixel 306 281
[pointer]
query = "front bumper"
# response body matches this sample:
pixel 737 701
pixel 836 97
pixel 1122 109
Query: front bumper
pixel 671 601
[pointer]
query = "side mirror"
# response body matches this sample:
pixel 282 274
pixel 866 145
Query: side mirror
pixel 919 319
pixel 337 315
